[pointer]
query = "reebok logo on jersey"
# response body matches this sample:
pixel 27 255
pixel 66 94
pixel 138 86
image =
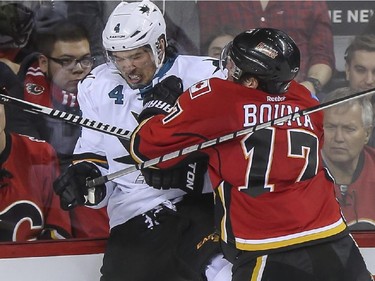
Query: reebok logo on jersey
pixel 276 98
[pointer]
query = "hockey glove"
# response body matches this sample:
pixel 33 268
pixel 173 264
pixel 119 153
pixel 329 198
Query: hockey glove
pixel 72 190
pixel 188 176
pixel 161 98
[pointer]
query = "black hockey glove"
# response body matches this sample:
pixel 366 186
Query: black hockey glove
pixel 72 189
pixel 188 176
pixel 161 98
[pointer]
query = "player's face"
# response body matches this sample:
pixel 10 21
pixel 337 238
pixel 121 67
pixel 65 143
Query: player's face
pixel 344 135
pixel 361 71
pixel 136 66
pixel 67 76
pixel 231 68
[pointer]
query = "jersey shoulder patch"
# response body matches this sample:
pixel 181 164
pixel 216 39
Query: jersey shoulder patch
pixel 199 89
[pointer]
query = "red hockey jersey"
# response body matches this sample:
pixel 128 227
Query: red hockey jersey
pixel 39 90
pixel 29 209
pixel 272 190
pixel 86 222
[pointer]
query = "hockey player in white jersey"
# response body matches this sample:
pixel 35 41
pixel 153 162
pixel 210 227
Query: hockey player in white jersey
pixel 156 234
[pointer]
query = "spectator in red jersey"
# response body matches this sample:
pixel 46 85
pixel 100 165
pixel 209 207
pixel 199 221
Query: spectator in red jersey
pixel 29 209
pixel 347 129
pixel 307 22
pixel 50 78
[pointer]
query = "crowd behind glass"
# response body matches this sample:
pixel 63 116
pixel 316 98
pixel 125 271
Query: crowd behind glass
pixel 196 28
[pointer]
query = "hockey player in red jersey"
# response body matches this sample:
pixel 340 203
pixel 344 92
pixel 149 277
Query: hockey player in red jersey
pixel 276 210
pixel 29 209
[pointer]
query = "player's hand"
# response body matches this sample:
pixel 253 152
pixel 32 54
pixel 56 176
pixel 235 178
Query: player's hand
pixel 188 176
pixel 161 98
pixel 162 178
pixel 72 189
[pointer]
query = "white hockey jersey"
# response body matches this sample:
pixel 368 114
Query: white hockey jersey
pixel 106 97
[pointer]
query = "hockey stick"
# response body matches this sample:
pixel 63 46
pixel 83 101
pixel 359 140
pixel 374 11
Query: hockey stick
pixel 61 115
pixel 230 136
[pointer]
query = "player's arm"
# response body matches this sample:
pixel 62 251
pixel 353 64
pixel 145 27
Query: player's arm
pixel 89 159
pixel 188 175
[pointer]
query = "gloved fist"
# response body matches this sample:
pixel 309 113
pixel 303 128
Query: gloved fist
pixel 72 189
pixel 188 176
pixel 163 179
pixel 167 90
pixel 161 98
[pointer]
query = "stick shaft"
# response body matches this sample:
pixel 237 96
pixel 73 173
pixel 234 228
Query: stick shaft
pixel 231 136
pixel 67 117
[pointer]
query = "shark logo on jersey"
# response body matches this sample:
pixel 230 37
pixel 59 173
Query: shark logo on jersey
pixel 145 9
pixel 215 63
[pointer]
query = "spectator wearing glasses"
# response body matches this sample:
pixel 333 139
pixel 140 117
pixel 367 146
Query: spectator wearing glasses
pixel 51 76
pixel 50 79
pixel 347 129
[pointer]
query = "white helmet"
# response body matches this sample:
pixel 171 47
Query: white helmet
pixel 133 25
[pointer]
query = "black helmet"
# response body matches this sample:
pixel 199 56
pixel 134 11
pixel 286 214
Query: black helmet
pixel 268 54
pixel 16 25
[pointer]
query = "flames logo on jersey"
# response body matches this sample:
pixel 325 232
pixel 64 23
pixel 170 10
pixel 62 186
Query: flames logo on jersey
pixel 22 220
pixel 34 89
